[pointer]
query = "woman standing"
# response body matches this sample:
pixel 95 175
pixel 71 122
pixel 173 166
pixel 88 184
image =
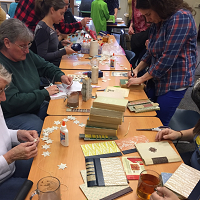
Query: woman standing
pixel 171 54
pixel 46 40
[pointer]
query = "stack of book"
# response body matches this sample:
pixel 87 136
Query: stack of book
pixel 105 116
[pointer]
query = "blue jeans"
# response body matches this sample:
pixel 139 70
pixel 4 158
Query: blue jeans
pixel 11 187
pixel 28 121
pixel 168 103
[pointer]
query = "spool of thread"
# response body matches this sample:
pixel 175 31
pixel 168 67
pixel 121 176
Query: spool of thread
pixel 94 45
pixel 95 74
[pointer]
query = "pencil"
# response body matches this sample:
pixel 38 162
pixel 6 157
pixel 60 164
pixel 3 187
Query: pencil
pixel 132 71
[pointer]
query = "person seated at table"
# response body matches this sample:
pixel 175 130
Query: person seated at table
pixel 46 40
pixel 2 15
pixel 15 162
pixel 12 8
pixel 25 12
pixel 25 106
pixel 163 193
pixel 171 54
pixel 100 15
pixel 68 16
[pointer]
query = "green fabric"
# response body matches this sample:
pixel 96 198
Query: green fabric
pixel 100 14
pixel 24 94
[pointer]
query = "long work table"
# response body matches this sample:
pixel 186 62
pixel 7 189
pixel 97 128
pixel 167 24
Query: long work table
pixel 73 157
pixel 58 106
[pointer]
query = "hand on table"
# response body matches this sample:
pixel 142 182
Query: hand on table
pixel 167 134
pixel 163 193
pixel 67 80
pixel 134 81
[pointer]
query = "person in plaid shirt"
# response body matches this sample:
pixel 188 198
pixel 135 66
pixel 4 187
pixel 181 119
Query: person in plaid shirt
pixel 25 12
pixel 171 54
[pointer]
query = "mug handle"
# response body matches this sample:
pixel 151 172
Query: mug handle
pixel 33 194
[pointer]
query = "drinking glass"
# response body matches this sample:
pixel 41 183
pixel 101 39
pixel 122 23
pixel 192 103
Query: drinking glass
pixel 148 181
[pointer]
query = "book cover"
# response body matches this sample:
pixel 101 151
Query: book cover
pixel 97 137
pixel 102 193
pixel 105 115
pixel 123 83
pixel 127 145
pixel 100 131
pixel 157 153
pixel 100 124
pixel 185 181
pixel 105 172
pixel 110 103
pixel 133 166
pixel 101 150
pixel 123 91
pixel 110 94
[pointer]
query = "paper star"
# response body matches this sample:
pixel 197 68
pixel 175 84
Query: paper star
pixel 104 80
pixel 46 146
pixel 46 153
pixel 49 141
pixel 71 117
pixel 57 122
pixel 45 134
pixel 81 125
pixel 62 166
pixel 65 120
pixel 76 122
pixel 35 140
pixel 45 138
pixel 55 128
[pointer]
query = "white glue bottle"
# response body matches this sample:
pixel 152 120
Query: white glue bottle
pixel 64 140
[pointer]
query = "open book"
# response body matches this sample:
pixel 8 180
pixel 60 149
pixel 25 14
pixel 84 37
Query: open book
pixel 64 90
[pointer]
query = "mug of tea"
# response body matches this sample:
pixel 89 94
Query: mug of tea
pixel 47 188
pixel 148 181
pixel 73 100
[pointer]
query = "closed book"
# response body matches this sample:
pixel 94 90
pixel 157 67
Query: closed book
pixel 157 153
pixel 100 131
pixel 110 94
pixel 123 91
pixel 105 115
pixel 110 103
pixel 123 83
pixel 100 124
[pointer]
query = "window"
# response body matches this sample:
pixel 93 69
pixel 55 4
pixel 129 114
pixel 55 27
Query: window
pixel 76 2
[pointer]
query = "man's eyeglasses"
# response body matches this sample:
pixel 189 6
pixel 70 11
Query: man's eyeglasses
pixel 24 47
pixel 3 90
pixel 67 4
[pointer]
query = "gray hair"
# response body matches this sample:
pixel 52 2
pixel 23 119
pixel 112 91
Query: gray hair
pixel 14 30
pixel 4 74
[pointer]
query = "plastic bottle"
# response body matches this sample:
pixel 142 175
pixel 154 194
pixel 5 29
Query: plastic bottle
pixel 112 62
pixel 64 140
pixel 83 47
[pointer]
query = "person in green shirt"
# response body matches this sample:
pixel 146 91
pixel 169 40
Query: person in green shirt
pixel 100 14
pixel 25 106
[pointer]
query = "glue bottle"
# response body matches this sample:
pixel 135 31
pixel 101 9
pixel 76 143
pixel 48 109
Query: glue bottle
pixel 64 140
pixel 112 62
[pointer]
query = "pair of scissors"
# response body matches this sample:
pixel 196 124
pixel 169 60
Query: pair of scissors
pixel 159 128
pixel 52 81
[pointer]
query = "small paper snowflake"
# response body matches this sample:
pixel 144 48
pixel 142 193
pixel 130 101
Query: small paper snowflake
pixel 46 146
pixel 62 166
pixel 57 122
pixel 46 153
pixel 65 119
pixel 44 138
pixel 82 125
pixel 49 141
pixel 76 122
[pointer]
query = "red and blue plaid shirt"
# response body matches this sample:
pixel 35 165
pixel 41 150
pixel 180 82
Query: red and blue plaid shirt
pixel 172 52
pixel 25 12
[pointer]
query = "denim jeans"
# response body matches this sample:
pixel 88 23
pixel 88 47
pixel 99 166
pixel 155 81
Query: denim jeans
pixel 11 187
pixel 28 121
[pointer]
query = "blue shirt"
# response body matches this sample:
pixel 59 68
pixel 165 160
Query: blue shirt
pixel 172 52
pixel 112 4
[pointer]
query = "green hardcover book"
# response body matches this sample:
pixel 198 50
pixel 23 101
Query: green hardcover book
pixel 123 83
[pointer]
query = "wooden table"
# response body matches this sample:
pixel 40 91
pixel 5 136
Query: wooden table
pixel 68 62
pixel 58 106
pixel 73 157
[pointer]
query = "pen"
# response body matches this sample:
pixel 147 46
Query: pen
pixel 132 71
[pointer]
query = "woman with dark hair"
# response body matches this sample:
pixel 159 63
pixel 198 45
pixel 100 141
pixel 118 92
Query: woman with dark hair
pixel 171 54
pixel 46 41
